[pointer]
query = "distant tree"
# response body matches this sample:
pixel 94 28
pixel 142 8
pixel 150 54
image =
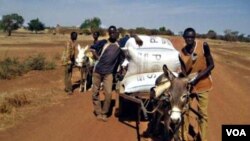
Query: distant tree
pixel 36 25
pixel 180 33
pixel 93 24
pixel 230 35
pixel 102 31
pixel 169 32
pixel 162 29
pixel 1 25
pixel 201 35
pixel 122 31
pixel 12 22
pixel 154 32
pixel 142 30
pixel 211 34
pixel 241 37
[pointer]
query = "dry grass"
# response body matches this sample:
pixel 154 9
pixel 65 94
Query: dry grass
pixel 17 105
pixel 26 98
pixel 12 102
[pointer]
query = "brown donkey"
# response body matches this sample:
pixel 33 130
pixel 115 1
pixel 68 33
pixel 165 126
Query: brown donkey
pixel 171 98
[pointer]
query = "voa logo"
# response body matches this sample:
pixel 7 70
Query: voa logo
pixel 236 132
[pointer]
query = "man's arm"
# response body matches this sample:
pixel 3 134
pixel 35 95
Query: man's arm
pixel 137 39
pixel 183 67
pixel 68 53
pixel 97 48
pixel 98 45
pixel 124 40
pixel 209 63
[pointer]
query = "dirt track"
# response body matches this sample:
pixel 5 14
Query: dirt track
pixel 73 119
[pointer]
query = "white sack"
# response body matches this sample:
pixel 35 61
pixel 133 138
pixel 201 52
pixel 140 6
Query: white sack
pixel 145 62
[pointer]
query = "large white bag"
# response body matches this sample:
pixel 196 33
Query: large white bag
pixel 146 61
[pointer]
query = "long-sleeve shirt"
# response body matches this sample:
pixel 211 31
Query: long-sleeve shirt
pixel 111 56
pixel 69 52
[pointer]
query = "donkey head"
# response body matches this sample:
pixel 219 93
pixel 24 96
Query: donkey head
pixel 176 89
pixel 177 93
pixel 81 58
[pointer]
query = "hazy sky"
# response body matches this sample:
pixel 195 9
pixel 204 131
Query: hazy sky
pixel 176 15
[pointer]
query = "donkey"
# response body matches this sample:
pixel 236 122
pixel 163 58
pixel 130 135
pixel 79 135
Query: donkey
pixel 171 97
pixel 82 62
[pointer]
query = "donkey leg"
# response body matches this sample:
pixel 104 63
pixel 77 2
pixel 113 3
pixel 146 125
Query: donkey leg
pixel 81 80
pixel 166 130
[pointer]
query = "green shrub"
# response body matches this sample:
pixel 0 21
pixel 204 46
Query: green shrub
pixel 12 67
pixel 36 62
pixel 50 65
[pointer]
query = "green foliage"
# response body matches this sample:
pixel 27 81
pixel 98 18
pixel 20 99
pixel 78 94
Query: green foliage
pixel 36 25
pixel 92 24
pixel 142 30
pixel 211 34
pixel 102 31
pixel 12 67
pixel 122 31
pixel 12 22
pixel 231 35
pixel 36 62
pixel 162 29
pixel 50 65
pixel 154 32
pixel 1 25
pixel 86 31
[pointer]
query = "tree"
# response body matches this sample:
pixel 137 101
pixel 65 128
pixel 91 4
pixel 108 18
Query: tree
pixel 12 22
pixel 211 34
pixel 122 31
pixel 231 35
pixel 169 32
pixel 1 25
pixel 162 29
pixel 36 25
pixel 93 24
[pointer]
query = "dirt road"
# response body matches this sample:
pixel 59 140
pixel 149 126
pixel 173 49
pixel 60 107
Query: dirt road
pixel 73 118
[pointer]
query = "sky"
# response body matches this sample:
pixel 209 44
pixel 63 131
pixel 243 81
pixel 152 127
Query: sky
pixel 176 15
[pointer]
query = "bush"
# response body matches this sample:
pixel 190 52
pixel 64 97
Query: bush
pixel 35 62
pixel 13 101
pixel 11 67
pixel 50 65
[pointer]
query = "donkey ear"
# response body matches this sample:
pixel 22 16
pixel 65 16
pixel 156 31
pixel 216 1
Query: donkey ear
pixel 168 73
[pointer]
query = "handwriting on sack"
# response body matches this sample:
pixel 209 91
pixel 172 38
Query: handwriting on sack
pixel 146 76
pixel 149 62
pixel 156 56
pixel 157 40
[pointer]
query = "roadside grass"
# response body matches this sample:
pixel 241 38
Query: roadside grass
pixel 20 104
pixel 20 54
pixel 12 67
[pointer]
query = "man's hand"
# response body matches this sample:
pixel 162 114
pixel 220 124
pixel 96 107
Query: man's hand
pixel 94 53
pixel 69 62
pixel 137 40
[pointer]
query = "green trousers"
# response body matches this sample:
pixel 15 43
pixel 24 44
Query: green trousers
pixel 202 124
pixel 67 78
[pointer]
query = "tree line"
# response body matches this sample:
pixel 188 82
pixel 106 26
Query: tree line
pixel 14 21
